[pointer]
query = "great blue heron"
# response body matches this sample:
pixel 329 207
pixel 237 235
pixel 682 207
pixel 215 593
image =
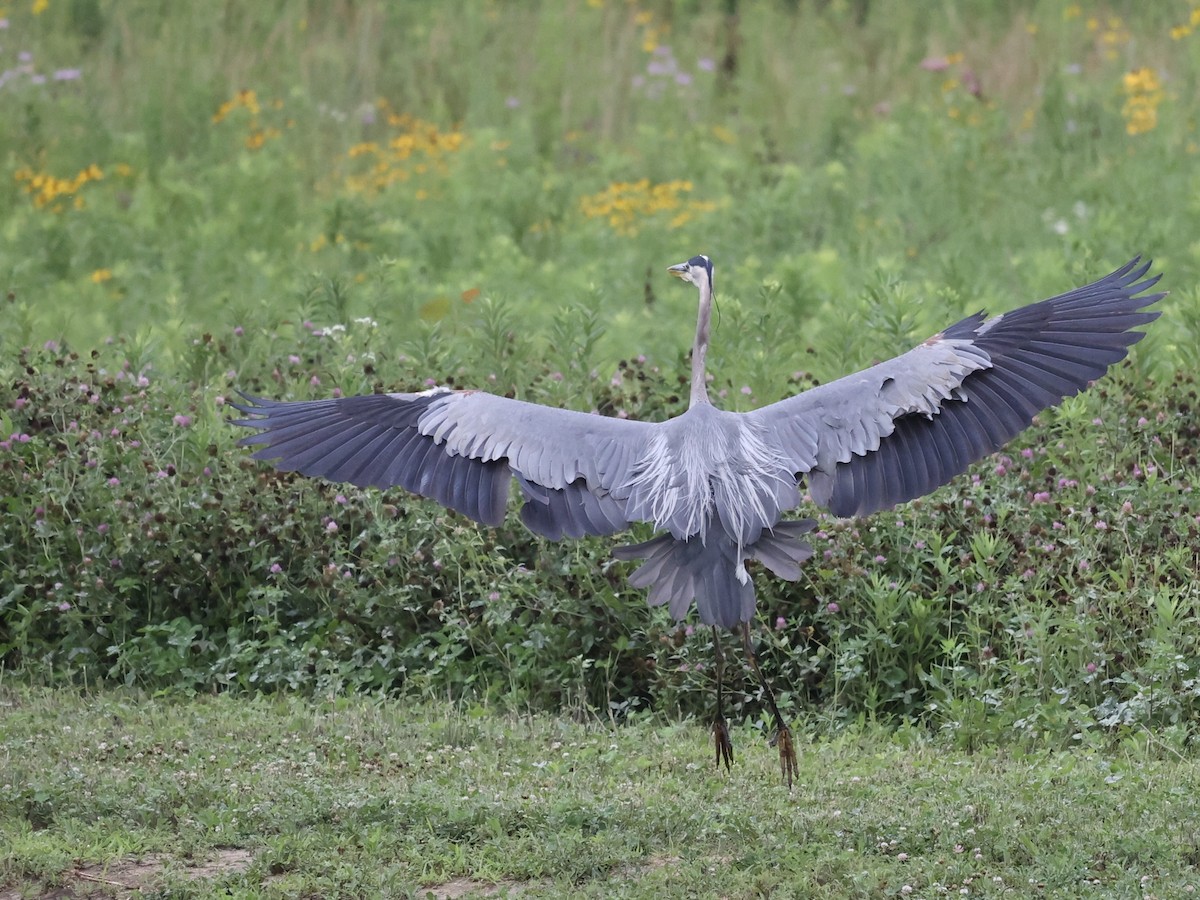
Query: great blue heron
pixel 718 483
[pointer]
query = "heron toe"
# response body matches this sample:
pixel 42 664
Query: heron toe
pixel 788 764
pixel 722 742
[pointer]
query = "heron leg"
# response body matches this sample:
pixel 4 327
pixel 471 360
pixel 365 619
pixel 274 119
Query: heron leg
pixel 782 736
pixel 720 728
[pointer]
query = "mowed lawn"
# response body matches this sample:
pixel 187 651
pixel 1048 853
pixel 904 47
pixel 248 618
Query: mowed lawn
pixel 104 793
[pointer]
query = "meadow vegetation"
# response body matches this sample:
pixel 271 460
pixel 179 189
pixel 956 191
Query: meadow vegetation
pixel 339 198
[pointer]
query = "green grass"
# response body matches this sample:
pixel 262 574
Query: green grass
pixel 365 797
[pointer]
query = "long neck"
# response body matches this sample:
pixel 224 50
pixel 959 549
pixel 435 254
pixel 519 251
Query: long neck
pixel 700 347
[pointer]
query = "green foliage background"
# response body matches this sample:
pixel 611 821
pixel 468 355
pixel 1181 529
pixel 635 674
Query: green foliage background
pixel 359 196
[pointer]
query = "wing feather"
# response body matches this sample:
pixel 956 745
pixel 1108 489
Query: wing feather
pixel 458 448
pixel 901 428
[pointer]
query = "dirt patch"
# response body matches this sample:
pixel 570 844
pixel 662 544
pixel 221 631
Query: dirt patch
pixel 634 870
pixel 467 887
pixel 124 877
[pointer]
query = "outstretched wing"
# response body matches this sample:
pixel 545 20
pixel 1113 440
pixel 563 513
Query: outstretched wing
pixel 906 426
pixel 460 448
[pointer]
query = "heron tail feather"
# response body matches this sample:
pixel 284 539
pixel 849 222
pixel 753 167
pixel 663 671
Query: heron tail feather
pixel 781 549
pixel 678 572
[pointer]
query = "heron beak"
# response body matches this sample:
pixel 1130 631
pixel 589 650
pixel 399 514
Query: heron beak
pixel 678 271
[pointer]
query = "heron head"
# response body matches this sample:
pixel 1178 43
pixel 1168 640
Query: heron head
pixel 697 271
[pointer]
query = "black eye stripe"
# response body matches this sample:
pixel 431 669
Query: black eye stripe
pixel 702 262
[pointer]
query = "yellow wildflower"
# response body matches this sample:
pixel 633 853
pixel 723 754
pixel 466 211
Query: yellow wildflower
pixel 47 189
pixel 1114 36
pixel 416 149
pixel 256 139
pixel 1143 94
pixel 247 100
pixel 39 7
pixel 624 204
pixel 101 275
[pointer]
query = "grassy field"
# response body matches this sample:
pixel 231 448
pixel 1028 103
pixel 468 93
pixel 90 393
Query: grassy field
pixel 217 678
pixel 356 797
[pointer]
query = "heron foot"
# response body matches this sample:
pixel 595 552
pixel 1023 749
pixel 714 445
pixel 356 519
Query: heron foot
pixel 788 765
pixel 722 742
